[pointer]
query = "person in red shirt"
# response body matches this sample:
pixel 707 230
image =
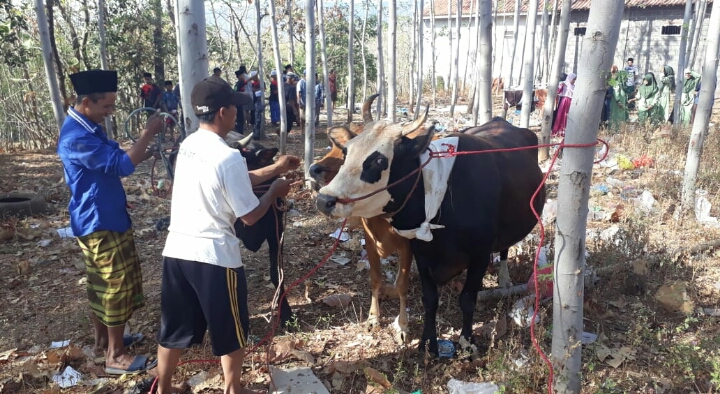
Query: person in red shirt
pixel 332 87
pixel 150 92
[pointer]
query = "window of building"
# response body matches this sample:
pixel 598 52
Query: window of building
pixel 670 30
pixel 580 31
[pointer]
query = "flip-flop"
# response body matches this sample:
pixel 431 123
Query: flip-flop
pixel 132 339
pixel 139 364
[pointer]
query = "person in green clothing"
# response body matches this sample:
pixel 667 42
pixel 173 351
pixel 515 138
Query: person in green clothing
pixel 667 86
pixel 692 79
pixel 647 101
pixel 619 99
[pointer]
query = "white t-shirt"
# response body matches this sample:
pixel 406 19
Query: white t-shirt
pixel 211 190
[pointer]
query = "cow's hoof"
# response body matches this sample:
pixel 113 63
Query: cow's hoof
pixel 402 336
pixel 467 345
pixel 372 323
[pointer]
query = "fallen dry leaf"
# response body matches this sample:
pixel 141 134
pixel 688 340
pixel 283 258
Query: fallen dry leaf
pixel 6 355
pixel 377 377
pixel 498 328
pixel 6 234
pixel 342 367
pixel 23 267
pixel 337 300
pixel 674 298
pixel 283 350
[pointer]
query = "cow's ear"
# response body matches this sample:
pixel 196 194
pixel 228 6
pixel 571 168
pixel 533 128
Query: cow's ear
pixel 339 136
pixel 266 155
pixel 420 141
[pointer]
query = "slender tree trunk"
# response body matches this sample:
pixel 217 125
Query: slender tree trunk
pixel 421 45
pixel 432 49
pixel 392 52
pixel 502 59
pixel 260 123
pixel 50 20
pixel 415 48
pixel 450 41
pixel 703 111
pixel 351 63
pixel 291 33
pixel 456 56
pixel 158 45
pixel 553 39
pixel 473 102
pixel 103 58
pixel 495 37
pixel 681 59
pixel 529 57
pixel 543 54
pixel 193 56
pixel 484 65
pixel 281 85
pixel 691 33
pixel 552 90
pixel 45 39
pixel 86 35
pixel 74 38
pixel 381 67
pixel 362 51
pixel 467 52
pixel 699 27
pixel 573 192
pixel 516 28
pixel 326 70
pixel 310 91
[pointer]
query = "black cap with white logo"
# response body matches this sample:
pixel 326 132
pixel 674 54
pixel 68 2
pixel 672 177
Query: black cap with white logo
pixel 213 93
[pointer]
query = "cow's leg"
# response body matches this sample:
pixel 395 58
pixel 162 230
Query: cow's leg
pixel 286 314
pixel 402 283
pixel 468 297
pixel 376 284
pixel 503 271
pixel 430 301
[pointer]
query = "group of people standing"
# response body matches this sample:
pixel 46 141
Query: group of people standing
pixel 652 99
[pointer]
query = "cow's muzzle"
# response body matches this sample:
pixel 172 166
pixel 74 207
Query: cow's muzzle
pixel 325 203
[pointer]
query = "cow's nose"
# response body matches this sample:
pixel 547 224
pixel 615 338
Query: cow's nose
pixel 316 170
pixel 325 203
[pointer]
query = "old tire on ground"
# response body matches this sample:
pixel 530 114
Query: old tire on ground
pixel 21 205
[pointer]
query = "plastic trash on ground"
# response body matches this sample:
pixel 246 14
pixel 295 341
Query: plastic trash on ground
pixel 522 311
pixel 624 162
pixel 459 387
pixel 702 209
pixel 339 234
pixel 446 349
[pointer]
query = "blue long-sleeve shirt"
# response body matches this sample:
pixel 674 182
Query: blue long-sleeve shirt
pixel 93 165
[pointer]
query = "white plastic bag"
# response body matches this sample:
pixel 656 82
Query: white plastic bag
pixel 459 387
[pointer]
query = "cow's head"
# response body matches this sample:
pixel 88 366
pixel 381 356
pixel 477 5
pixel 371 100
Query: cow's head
pixel 370 158
pixel 324 170
pixel 256 156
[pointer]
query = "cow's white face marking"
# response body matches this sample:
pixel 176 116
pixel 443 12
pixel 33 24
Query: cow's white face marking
pixel 368 157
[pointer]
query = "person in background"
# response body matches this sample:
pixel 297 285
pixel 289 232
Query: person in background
pixel 273 99
pixel 647 99
pixel 332 86
pixel 93 165
pixel 169 103
pixel 632 75
pixel 150 92
pixel 667 87
pixel 217 72
pixel 204 288
pixel 319 99
pixel 291 108
pixel 619 100
pixel 565 92
pixel 687 101
pixel 301 91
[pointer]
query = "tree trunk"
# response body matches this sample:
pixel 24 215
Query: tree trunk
pixel 473 102
pixel 450 41
pixel 74 38
pixel 502 60
pixel 351 64
pixel 260 123
pixel 552 89
pixel 103 58
pixel 456 56
pixel 432 49
pixel 381 70
pixel 47 61
pixel 529 58
pixel 680 75
pixel 698 28
pixel 703 111
pixel 473 5
pixel 516 28
pixel 159 48
pixel 192 40
pixel 392 49
pixel 495 38
pixel 484 66
pixel 543 54
pixel 326 70
pixel 50 20
pixel 281 85
pixel 421 45
pixel 553 39
pixel 310 91
pixel 411 73
pixel 289 8
pixel 573 192
pixel 362 51
pixel 691 33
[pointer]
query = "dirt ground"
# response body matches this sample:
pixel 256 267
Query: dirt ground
pixel 653 305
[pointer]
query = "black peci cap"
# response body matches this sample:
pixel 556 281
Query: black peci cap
pixel 213 93
pixel 94 81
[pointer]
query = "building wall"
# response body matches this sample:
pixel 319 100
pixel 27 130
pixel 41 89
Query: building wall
pixel 651 51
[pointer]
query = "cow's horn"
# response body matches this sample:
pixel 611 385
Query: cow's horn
pixel 367 116
pixel 417 123
pixel 246 140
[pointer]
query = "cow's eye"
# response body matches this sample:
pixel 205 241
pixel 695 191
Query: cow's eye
pixel 381 162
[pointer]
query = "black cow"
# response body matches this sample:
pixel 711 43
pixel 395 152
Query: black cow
pixel 486 207
pixel 271 226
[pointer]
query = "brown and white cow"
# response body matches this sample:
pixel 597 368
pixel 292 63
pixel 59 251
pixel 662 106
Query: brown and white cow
pixel 484 209
pixel 380 241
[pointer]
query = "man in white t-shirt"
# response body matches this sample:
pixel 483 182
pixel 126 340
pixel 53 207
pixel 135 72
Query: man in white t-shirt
pixel 203 282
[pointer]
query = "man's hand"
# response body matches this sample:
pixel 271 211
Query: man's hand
pixel 154 124
pixel 287 163
pixel 280 188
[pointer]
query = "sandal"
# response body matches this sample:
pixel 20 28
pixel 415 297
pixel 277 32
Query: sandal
pixel 139 364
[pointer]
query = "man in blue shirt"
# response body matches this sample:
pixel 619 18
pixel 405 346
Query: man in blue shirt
pixel 93 165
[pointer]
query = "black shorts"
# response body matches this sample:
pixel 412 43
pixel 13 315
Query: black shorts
pixel 197 297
